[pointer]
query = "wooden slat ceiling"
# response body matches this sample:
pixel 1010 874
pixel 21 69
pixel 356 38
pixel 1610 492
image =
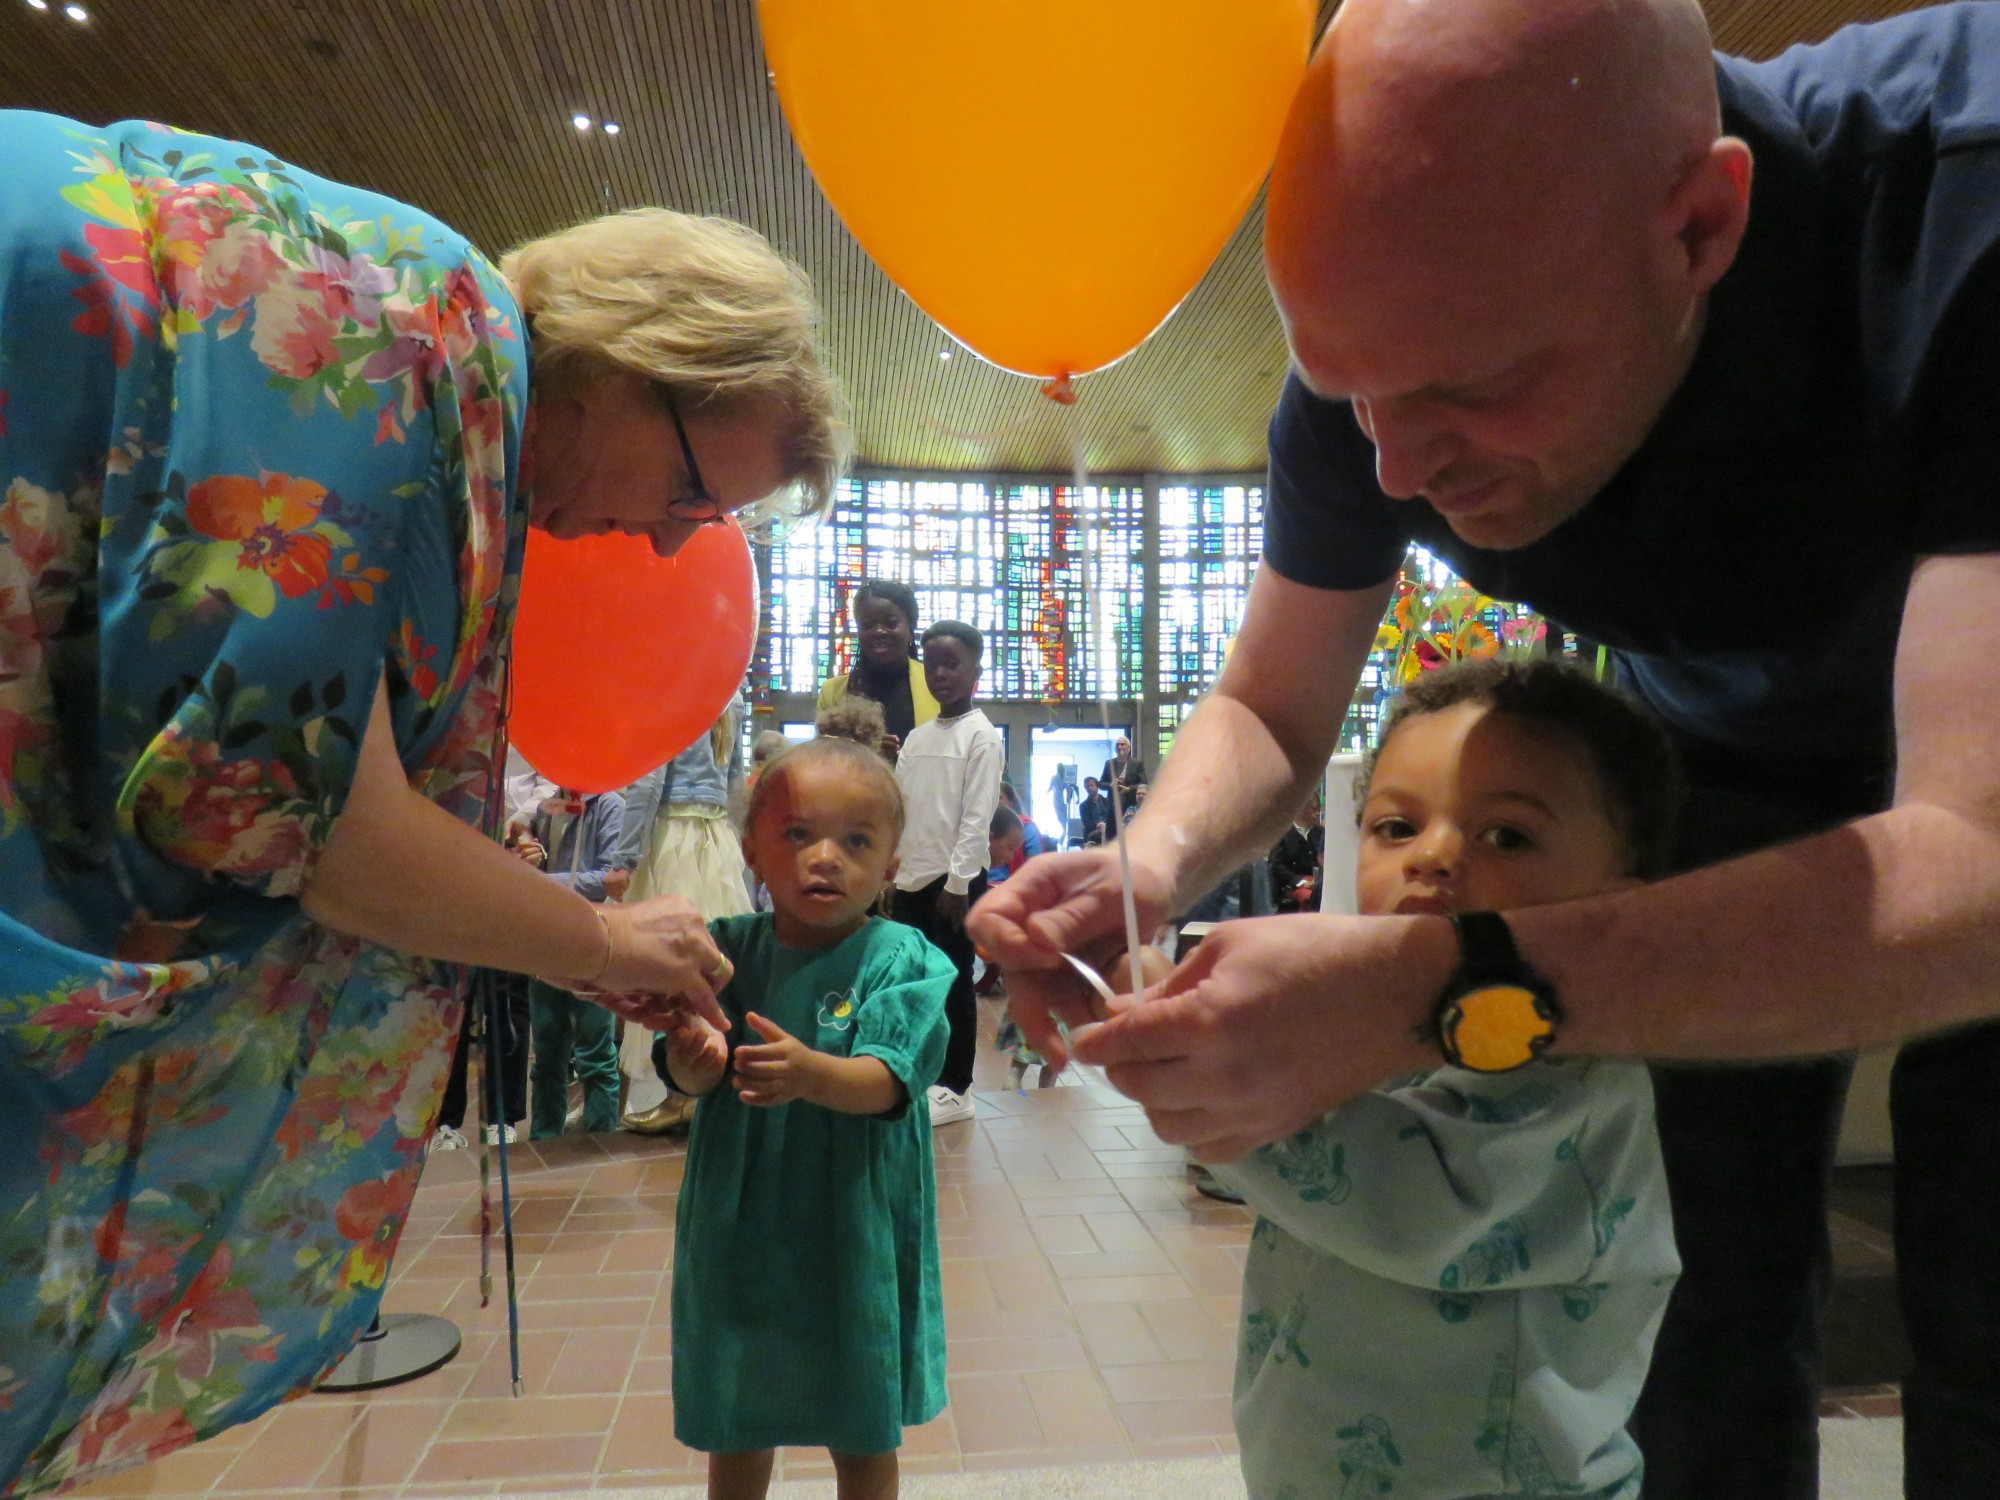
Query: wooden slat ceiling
pixel 464 106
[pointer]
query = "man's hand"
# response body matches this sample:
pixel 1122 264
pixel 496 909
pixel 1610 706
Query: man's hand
pixel 780 1069
pixel 1057 904
pixel 616 884
pixel 951 909
pixel 530 849
pixel 892 746
pixel 1272 1022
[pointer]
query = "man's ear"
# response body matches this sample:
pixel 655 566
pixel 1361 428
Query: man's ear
pixel 1709 210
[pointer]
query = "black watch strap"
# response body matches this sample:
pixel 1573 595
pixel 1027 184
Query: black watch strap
pixel 1486 948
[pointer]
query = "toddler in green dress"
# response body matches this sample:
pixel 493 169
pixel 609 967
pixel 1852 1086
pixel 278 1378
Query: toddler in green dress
pixel 1455 1281
pixel 807 1305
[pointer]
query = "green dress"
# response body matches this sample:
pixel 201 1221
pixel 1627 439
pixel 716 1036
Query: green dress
pixel 807 1304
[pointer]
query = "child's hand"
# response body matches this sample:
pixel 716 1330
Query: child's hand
pixel 780 1069
pixel 696 1044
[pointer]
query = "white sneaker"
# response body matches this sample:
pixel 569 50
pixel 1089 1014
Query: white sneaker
pixel 447 1139
pixel 493 1135
pixel 947 1106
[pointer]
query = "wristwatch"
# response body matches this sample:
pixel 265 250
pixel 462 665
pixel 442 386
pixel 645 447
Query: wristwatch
pixel 1495 1013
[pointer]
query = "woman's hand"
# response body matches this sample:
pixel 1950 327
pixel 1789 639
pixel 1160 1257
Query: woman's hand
pixel 661 959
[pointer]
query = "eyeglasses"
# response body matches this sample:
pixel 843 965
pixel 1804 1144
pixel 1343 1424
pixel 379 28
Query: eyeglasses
pixel 768 520
pixel 698 506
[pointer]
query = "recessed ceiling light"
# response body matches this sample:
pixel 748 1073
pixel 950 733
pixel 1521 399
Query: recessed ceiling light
pixel 611 127
pixel 581 122
pixel 944 354
pixel 76 13
pixel 38 4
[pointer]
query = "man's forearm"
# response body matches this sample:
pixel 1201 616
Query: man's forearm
pixel 1225 793
pixel 406 874
pixel 1866 935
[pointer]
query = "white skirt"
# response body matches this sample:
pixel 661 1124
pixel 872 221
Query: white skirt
pixel 693 852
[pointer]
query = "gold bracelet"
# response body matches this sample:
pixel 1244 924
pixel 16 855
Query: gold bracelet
pixel 605 923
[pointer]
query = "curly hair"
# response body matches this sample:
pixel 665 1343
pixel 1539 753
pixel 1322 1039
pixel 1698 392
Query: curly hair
pixel 856 719
pixel 1638 773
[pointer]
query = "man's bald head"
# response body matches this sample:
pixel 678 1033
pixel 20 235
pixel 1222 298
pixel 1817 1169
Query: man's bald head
pixel 1468 187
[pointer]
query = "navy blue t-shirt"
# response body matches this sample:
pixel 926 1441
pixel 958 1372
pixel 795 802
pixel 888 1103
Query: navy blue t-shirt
pixel 1841 419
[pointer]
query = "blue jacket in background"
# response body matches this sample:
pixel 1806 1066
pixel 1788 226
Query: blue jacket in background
pixel 581 855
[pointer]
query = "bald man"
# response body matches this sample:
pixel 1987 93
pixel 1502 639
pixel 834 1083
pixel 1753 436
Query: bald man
pixel 1543 323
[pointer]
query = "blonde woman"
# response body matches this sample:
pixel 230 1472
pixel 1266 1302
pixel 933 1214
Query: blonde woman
pixel 678 840
pixel 250 699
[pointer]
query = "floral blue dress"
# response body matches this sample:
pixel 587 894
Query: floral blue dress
pixel 260 437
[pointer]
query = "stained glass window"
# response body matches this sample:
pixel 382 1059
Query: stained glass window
pixel 1008 555
pixel 1007 558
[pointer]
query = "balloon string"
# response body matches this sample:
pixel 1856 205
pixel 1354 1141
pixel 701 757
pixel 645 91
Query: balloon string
pixel 1093 538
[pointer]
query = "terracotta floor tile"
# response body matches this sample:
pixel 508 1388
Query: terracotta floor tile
pixel 594 1361
pixel 290 1446
pixel 1003 1323
pixel 542 1416
pixel 1190 1329
pixel 1078 1200
pixel 1152 1261
pixel 993 1414
pixel 383 1447
pixel 1064 1234
pixel 1126 1289
pixel 1051 1458
pixel 548 1458
pixel 1156 1450
pixel 544 1286
pixel 937 1438
pixel 1179 1381
pixel 1022 1281
pixel 1114 1333
pixel 1017 1355
pixel 1203 1416
pixel 1073 1408
pixel 642 1439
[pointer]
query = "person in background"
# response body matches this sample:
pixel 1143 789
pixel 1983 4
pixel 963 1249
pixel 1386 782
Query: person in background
pixel 1297 861
pixel 572 839
pixel 808 1306
pixel 949 770
pixel 1124 768
pixel 677 840
pixel 886 666
pixel 1094 812
pixel 506 1097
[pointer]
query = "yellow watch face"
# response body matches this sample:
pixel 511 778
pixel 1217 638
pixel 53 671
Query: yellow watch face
pixel 1499 1026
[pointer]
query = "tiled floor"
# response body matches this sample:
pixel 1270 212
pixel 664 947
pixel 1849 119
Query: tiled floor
pixel 1090 1300
pixel 1090 1295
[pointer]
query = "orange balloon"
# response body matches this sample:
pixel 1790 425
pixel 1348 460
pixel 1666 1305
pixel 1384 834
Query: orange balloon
pixel 1045 178
pixel 623 659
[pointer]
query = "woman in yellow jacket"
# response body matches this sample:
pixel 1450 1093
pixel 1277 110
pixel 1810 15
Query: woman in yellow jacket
pixel 886 667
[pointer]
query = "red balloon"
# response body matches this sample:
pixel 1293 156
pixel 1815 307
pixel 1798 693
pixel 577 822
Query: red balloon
pixel 623 659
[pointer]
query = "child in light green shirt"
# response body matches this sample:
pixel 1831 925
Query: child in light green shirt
pixel 1454 1286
